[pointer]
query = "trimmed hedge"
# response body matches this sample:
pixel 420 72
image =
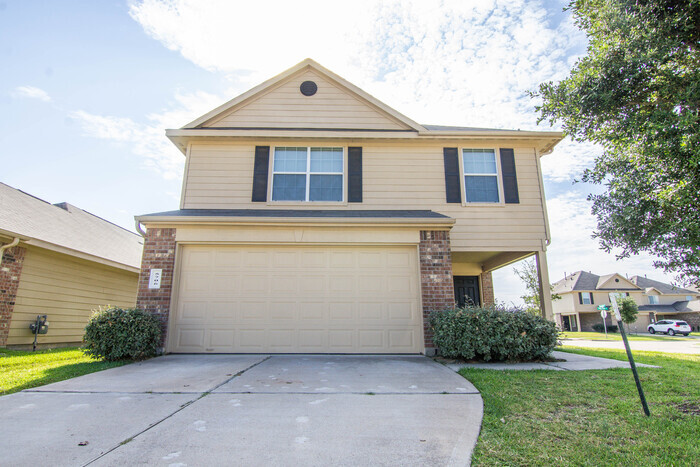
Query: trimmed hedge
pixel 122 334
pixel 598 327
pixel 492 333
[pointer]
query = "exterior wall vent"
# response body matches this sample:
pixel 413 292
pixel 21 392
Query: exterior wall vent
pixel 308 88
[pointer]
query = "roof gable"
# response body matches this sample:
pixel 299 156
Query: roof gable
pixel 279 103
pixel 614 281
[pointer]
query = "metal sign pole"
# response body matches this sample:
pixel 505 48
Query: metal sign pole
pixel 604 314
pixel 613 301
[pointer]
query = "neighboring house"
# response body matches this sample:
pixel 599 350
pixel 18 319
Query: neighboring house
pixel 582 293
pixel 315 218
pixel 59 261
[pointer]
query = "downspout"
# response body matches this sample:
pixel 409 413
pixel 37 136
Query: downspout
pixel 14 243
pixel 547 232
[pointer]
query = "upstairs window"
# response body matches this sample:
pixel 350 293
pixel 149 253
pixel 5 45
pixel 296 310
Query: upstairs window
pixel 307 174
pixel 653 299
pixel 586 298
pixel 480 175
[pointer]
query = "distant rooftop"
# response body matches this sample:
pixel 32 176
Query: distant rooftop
pixel 62 224
pixel 586 281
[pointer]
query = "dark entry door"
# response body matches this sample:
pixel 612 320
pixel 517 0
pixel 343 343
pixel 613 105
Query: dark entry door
pixel 467 290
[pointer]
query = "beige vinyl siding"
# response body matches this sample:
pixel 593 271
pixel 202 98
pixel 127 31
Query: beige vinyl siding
pixel 66 289
pixel 395 176
pixel 286 107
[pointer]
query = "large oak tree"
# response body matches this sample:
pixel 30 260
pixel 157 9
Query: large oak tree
pixel 637 94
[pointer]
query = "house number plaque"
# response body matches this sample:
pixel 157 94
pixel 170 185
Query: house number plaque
pixel 154 278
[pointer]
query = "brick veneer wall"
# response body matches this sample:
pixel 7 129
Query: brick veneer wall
pixel 437 284
pixel 487 289
pixel 158 253
pixel 10 273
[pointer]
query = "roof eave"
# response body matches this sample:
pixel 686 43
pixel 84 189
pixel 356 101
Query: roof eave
pixel 543 141
pixel 444 223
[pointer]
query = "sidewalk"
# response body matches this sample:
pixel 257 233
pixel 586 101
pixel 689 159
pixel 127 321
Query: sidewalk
pixel 573 362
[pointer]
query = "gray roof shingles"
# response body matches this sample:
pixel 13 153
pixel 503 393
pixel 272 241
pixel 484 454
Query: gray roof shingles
pixel 67 226
pixel 662 287
pixel 301 213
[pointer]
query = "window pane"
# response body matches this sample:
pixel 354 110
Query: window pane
pixel 326 188
pixel 479 161
pixel 327 160
pixel 586 298
pixel 288 187
pixel 290 160
pixel 481 189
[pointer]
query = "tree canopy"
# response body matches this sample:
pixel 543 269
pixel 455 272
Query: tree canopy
pixel 637 94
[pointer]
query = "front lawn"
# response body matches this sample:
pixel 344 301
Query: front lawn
pixel 25 369
pixel 591 417
pixel 600 336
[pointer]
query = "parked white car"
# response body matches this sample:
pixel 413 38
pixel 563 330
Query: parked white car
pixel 670 327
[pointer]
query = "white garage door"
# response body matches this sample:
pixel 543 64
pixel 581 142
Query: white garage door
pixel 297 299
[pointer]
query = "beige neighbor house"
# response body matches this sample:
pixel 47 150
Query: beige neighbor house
pixel 315 218
pixel 59 261
pixel 582 293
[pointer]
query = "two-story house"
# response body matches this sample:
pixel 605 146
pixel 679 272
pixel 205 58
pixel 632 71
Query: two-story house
pixel 582 292
pixel 315 218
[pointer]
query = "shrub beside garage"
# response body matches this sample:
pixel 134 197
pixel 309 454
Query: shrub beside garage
pixel 493 334
pixel 115 333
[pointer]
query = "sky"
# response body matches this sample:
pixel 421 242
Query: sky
pixel 88 88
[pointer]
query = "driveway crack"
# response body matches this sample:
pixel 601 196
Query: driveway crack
pixel 181 408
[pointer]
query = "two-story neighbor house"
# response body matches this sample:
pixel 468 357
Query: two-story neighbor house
pixel 582 292
pixel 315 218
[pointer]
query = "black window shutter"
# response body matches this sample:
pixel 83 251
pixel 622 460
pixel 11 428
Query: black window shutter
pixel 453 192
pixel 509 177
pixel 354 175
pixel 591 295
pixel 580 298
pixel 260 169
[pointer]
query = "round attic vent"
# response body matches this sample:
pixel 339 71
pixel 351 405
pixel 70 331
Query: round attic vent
pixel 308 88
pixel 617 280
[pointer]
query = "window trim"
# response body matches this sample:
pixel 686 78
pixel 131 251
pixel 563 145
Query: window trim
pixel 308 173
pixel 498 175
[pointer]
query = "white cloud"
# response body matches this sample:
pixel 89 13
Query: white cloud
pixel 568 160
pixel 447 62
pixel 147 139
pixel 31 92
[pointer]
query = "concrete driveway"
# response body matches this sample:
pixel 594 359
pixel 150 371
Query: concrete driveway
pixel 189 410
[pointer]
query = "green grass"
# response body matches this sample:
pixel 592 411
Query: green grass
pixel 591 417
pixel 600 336
pixel 25 369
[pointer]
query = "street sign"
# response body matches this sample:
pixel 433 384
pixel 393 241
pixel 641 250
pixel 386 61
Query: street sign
pixel 604 314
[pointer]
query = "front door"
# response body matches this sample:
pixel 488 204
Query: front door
pixel 467 291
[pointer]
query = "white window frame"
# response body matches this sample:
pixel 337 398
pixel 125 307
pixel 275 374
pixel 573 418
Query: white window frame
pixel 653 299
pixel 463 183
pixel 588 295
pixel 308 174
